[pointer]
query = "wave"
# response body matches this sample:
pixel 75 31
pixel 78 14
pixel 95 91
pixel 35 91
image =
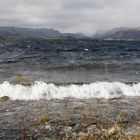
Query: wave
pixel 41 90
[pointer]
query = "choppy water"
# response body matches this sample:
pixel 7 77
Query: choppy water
pixel 71 62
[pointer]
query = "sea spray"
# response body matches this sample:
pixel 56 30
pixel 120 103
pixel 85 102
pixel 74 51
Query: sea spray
pixel 41 90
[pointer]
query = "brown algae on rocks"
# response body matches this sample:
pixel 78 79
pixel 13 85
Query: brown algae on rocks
pixel 19 79
pixel 4 98
pixel 41 119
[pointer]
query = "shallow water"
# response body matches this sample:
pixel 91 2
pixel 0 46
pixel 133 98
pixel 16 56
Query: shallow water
pixel 70 119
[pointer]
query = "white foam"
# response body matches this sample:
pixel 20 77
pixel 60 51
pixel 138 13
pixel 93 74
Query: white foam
pixel 41 90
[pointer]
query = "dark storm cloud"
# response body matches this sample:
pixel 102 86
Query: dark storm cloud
pixel 85 16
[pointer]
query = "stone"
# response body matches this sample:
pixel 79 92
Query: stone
pixel 93 130
pixel 4 98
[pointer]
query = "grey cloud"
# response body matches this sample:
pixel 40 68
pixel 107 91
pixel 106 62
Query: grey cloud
pixel 90 4
pixel 85 16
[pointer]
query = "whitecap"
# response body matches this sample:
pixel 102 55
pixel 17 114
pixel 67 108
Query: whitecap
pixel 41 90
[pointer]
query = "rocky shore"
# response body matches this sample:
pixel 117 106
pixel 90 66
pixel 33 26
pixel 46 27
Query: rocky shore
pixel 70 119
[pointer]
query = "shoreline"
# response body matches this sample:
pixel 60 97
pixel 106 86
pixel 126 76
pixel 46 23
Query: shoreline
pixel 92 119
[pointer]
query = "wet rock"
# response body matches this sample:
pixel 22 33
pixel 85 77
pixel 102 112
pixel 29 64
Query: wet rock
pixel 93 130
pixel 83 134
pixel 89 122
pixel 135 137
pixel 86 138
pixel 4 98
pixel 67 129
pixel 68 133
pixel 48 126
pixel 122 114
pixel 77 127
pixel 19 79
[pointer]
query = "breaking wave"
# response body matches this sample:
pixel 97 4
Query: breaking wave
pixel 41 90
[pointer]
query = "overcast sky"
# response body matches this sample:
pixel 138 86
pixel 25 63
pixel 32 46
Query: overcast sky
pixel 86 16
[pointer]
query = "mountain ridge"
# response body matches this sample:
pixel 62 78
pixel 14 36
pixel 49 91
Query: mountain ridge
pixel 121 33
pixel 35 32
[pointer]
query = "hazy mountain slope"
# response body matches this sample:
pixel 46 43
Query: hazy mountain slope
pixel 120 34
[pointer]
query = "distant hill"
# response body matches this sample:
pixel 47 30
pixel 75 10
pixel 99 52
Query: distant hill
pixel 119 34
pixel 34 32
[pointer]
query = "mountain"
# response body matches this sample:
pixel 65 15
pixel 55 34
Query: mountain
pixel 119 34
pixel 34 32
